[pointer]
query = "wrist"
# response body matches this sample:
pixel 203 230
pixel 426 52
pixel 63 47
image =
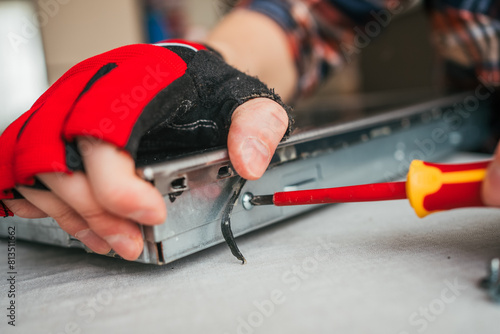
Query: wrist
pixel 258 46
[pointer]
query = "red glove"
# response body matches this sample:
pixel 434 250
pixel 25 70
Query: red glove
pixel 142 98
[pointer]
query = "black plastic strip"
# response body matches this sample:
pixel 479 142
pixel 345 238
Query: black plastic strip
pixel 226 221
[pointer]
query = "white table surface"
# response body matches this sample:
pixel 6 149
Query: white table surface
pixel 348 268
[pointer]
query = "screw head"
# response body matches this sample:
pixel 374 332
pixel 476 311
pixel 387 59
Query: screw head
pixel 246 201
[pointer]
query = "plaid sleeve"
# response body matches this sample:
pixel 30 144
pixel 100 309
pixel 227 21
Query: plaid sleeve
pixel 325 34
pixel 467 35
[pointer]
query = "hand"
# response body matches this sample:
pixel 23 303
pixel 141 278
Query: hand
pixel 103 206
pixel 491 184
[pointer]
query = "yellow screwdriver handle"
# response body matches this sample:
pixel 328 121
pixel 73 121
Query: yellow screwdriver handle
pixel 434 187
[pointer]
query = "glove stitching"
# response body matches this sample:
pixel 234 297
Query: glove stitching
pixel 194 125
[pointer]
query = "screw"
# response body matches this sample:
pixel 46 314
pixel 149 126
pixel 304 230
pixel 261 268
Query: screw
pixel 492 278
pixel 492 281
pixel 246 201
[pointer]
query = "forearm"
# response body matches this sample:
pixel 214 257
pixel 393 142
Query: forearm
pixel 256 45
pixel 319 37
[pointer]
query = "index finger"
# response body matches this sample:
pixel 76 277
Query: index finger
pixel 116 186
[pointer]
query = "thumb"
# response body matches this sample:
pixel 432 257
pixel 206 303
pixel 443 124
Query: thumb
pixel 257 127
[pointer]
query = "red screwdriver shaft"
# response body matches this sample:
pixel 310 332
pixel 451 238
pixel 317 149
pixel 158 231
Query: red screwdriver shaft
pixel 359 193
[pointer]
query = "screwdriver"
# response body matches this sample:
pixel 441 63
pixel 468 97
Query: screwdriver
pixel 429 187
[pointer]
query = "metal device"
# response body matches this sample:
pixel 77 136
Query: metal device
pixel 491 283
pixel 360 146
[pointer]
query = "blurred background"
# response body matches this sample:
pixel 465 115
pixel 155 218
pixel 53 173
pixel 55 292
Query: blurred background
pixel 40 40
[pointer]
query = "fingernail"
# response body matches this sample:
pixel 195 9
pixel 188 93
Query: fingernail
pixel 147 216
pixel 93 241
pixel 126 247
pixel 255 155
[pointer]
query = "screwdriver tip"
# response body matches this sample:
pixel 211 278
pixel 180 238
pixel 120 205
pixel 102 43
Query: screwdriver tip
pixel 262 200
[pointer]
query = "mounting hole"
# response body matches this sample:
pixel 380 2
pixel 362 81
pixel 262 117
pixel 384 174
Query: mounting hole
pixel 224 171
pixel 179 184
